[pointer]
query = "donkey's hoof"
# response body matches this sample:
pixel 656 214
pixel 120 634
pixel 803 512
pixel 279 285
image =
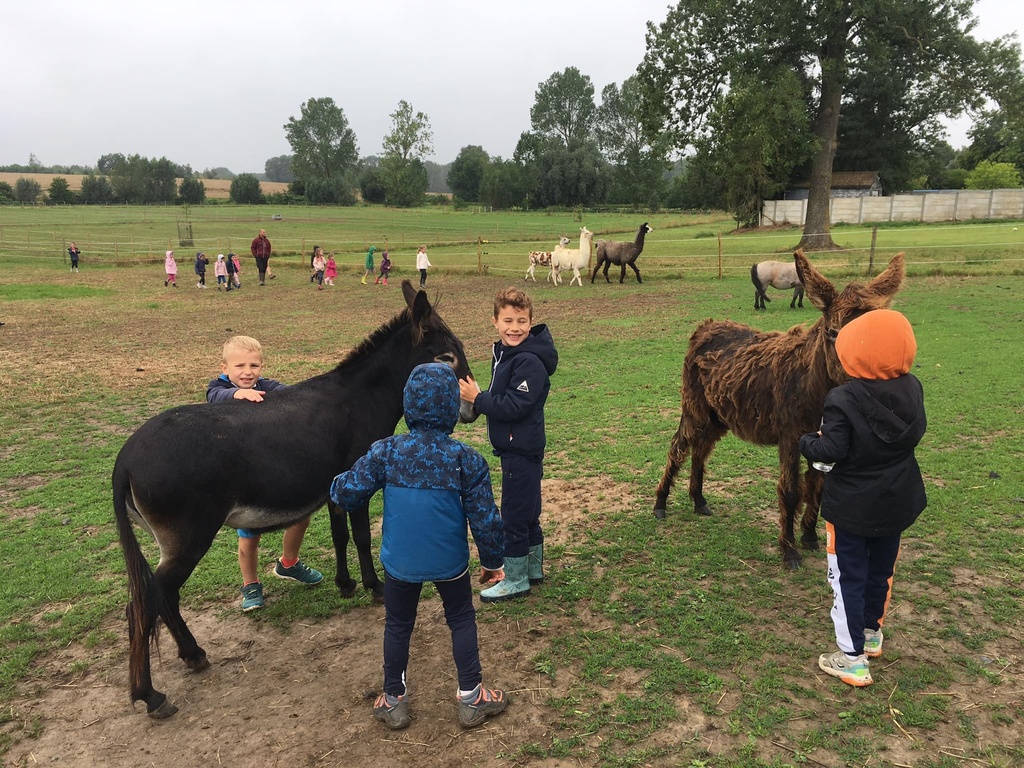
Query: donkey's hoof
pixel 163 710
pixel 660 513
pixel 348 587
pixel 703 510
pixel 197 664
pixel 377 592
pixel 809 542
pixel 792 565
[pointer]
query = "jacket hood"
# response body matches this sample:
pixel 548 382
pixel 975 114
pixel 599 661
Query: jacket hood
pixel 431 399
pixel 539 343
pixel 894 409
pixel 877 345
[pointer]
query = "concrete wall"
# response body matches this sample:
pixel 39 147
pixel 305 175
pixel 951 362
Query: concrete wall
pixel 954 205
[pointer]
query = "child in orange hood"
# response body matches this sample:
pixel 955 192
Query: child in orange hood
pixel 874 491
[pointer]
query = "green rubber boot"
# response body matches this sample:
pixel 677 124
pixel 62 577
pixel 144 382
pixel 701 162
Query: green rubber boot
pixel 515 584
pixel 536 566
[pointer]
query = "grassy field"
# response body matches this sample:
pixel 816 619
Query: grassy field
pixel 666 643
pixel 685 245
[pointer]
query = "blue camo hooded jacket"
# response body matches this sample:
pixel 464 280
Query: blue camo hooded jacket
pixel 433 486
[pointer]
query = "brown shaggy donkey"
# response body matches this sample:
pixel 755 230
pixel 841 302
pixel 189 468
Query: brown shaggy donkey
pixel 769 388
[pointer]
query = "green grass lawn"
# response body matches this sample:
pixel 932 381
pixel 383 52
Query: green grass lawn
pixel 687 626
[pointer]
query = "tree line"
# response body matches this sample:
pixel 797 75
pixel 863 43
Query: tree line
pixel 732 104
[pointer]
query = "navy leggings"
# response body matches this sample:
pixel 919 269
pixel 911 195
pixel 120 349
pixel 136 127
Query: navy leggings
pixel 401 599
pixel 520 503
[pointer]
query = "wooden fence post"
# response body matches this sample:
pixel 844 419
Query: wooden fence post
pixel 871 256
pixel 719 255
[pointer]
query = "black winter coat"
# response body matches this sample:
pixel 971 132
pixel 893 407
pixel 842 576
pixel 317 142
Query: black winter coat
pixel 870 429
pixel 514 403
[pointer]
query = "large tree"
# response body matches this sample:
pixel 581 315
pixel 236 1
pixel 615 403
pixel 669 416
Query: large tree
pixel 467 172
pixel 279 169
pixel 323 144
pixel 405 146
pixel 640 163
pixel 564 108
pixel 695 54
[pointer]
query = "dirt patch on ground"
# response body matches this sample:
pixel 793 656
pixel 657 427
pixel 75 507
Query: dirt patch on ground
pixel 302 696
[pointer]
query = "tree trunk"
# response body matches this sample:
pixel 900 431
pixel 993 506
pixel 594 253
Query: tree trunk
pixel 817 225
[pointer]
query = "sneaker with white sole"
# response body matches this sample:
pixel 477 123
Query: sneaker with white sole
pixel 393 711
pixel 480 704
pixel 299 572
pixel 855 671
pixel 252 597
pixel 873 643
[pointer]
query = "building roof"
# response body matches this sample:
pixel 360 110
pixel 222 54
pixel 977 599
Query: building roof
pixel 846 180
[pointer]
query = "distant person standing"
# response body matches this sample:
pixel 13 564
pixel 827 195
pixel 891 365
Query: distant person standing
pixel 422 264
pixel 261 252
pixel 368 264
pixel 74 253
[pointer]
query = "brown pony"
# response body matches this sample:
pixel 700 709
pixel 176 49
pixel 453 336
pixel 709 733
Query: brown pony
pixel 769 388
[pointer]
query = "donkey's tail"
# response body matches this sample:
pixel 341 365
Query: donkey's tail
pixel 144 602
pixel 756 280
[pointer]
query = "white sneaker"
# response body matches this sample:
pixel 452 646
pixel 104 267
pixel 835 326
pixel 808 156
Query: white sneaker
pixel 854 671
pixel 873 643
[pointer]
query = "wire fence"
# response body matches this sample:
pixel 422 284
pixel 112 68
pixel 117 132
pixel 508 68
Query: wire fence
pixel 986 247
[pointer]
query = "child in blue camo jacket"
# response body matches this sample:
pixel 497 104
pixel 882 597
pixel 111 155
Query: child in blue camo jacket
pixel 433 486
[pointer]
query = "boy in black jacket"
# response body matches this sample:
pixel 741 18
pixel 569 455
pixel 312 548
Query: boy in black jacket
pixel 874 491
pixel 524 359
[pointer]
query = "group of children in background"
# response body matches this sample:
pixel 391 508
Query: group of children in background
pixel 324 269
pixel 435 487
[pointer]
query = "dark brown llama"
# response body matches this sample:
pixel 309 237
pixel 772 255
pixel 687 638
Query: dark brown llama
pixel 769 388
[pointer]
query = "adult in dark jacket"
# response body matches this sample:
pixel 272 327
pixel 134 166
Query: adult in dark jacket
pixel 874 490
pixel 261 250
pixel 433 487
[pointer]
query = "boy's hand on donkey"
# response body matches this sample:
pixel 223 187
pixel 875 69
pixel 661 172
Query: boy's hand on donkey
pixel 254 395
pixel 468 389
pixel 491 577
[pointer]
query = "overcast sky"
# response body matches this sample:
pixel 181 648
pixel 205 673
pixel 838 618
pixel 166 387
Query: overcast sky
pixel 212 82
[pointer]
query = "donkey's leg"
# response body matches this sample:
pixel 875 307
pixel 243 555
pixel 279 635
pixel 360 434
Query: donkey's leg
pixel 676 456
pixel 633 267
pixel 789 501
pixel 813 482
pixel 607 263
pixel 170 574
pixel 360 520
pixel 141 629
pixel 339 535
pixel 597 268
pixel 700 449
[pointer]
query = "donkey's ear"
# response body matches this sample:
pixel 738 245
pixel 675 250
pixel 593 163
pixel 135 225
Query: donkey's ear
pixel 409 292
pixel 819 288
pixel 421 308
pixel 891 279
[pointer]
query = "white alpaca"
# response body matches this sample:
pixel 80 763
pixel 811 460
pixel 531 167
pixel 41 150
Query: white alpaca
pixel 572 258
pixel 543 259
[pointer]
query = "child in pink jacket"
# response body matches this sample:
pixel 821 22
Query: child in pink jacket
pixel 171 269
pixel 330 270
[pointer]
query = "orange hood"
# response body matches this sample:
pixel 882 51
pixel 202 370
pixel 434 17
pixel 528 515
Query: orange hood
pixel 877 345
